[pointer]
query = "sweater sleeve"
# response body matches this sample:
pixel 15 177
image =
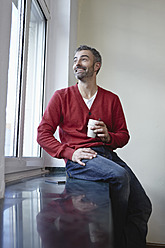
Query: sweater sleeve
pixel 47 127
pixel 119 135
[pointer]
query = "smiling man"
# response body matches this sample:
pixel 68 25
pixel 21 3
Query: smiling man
pixel 94 159
pixel 85 65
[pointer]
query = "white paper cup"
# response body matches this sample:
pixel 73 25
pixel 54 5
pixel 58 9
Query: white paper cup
pixel 91 123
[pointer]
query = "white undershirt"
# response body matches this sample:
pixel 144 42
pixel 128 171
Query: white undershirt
pixel 90 101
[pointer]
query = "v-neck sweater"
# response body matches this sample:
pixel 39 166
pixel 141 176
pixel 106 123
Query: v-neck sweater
pixel 90 101
pixel 68 110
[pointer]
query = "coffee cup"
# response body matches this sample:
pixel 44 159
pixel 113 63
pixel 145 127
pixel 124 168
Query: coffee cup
pixel 90 132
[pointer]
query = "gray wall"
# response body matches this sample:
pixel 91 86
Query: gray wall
pixel 130 34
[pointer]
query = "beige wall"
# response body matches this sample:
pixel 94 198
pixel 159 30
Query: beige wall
pixel 130 34
pixel 62 41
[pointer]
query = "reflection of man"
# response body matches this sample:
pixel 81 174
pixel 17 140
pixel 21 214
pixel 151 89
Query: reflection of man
pixel 60 224
pixel 82 206
pixel 76 218
pixel 94 158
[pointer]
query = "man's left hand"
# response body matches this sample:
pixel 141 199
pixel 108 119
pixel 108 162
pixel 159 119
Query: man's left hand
pixel 101 131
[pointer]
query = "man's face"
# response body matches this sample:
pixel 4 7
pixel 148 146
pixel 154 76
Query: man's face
pixel 83 65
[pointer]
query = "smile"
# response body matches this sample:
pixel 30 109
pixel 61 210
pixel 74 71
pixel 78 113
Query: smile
pixel 80 69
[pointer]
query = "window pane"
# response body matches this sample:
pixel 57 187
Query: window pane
pixel 12 109
pixel 35 78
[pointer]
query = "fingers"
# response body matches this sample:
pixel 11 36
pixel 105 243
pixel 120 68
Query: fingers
pixel 80 162
pixel 88 151
pixel 104 137
pixel 101 131
pixel 83 153
pixel 100 123
pixel 80 197
pixel 99 127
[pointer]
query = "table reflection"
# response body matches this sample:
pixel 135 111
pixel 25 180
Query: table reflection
pixel 79 217
pixel 37 214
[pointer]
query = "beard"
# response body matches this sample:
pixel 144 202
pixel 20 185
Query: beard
pixel 84 73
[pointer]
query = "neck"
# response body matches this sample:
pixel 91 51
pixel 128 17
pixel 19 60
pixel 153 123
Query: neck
pixel 87 90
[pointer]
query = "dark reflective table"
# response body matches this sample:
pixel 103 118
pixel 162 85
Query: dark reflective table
pixel 55 212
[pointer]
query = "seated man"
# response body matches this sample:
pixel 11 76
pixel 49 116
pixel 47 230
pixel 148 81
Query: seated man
pixel 94 158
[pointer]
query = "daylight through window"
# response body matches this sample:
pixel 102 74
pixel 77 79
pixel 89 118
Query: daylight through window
pixel 25 79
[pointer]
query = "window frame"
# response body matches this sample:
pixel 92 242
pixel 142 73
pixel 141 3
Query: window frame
pixel 20 163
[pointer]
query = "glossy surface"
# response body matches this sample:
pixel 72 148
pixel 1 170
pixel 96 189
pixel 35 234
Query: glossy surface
pixel 43 213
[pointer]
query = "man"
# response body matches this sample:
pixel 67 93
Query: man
pixel 94 158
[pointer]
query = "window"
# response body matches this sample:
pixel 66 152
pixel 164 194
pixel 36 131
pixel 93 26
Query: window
pixel 25 78
pixel 16 43
pixel 34 83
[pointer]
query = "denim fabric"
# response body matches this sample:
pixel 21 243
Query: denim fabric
pixel 130 205
pixel 139 210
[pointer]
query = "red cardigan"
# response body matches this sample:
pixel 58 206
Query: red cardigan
pixel 68 110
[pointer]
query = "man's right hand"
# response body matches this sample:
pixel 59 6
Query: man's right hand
pixel 83 153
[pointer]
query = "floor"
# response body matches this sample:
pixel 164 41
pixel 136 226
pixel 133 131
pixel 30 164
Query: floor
pixel 54 212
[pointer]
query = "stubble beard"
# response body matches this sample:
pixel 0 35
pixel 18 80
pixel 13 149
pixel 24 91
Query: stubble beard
pixel 86 74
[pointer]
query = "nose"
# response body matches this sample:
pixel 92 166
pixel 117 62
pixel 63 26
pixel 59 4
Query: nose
pixel 77 62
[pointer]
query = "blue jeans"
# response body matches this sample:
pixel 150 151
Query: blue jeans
pixel 130 205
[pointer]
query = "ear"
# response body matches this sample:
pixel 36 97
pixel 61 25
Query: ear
pixel 97 66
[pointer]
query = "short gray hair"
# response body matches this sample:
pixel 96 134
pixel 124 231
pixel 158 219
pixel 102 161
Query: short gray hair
pixel 96 54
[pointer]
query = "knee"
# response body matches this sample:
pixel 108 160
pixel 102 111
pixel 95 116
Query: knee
pixel 123 177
